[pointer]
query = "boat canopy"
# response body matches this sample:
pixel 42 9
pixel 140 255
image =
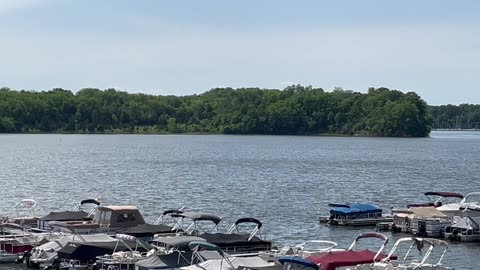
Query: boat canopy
pixel 249 220
pixel 207 246
pixel 420 205
pixel 92 201
pixel 445 194
pixel 146 230
pixel 233 239
pixel 179 241
pixel 354 209
pixel 334 259
pixel 65 216
pixel 299 261
pixel 172 212
pixel 199 216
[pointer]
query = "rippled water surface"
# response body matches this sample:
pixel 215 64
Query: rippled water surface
pixel 285 181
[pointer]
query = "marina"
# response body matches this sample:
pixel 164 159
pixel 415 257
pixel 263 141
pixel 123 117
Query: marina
pixel 286 221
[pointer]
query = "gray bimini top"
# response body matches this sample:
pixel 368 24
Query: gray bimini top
pixel 178 241
pixel 199 216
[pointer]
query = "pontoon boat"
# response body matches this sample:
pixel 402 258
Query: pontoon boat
pixel 355 215
pixel 341 260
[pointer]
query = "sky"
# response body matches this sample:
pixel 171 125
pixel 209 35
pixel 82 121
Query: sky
pixel 182 47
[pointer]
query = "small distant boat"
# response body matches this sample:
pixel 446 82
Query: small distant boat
pixel 360 214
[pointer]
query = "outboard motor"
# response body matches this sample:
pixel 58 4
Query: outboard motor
pixel 55 265
pixel 25 258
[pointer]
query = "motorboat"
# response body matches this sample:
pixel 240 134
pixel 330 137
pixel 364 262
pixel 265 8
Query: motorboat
pixel 426 261
pixel 23 213
pixel 124 219
pixel 78 214
pixel 14 242
pixel 470 201
pixel 235 241
pixel 359 214
pixel 421 221
pixel 126 252
pixel 83 255
pixel 303 250
pixel 352 257
pixel 464 229
pixel 46 255
pixel 437 199
pixel 176 252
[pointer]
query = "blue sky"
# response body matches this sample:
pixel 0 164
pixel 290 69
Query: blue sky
pixel 185 47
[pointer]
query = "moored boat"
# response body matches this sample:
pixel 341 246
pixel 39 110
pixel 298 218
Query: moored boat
pixel 350 258
pixel 359 214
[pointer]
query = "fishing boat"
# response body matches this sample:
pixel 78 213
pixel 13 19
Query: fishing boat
pixel 426 262
pixel 234 241
pixel 347 259
pixel 359 214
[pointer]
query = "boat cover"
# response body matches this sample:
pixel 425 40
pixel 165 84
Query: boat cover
pixel 146 230
pixel 426 212
pixel 85 252
pixel 231 239
pixel 223 264
pixel 170 261
pixel 294 260
pixel 334 259
pixel 355 209
pixel 465 223
pixel 65 216
pixel 445 194
pixel 179 242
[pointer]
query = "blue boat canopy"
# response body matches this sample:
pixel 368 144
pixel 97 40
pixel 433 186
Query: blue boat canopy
pixel 354 209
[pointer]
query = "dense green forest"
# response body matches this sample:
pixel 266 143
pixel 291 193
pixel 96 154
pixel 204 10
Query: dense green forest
pixel 294 110
pixel 464 116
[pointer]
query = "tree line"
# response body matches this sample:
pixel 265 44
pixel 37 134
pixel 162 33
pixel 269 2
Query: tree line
pixel 463 116
pixel 295 110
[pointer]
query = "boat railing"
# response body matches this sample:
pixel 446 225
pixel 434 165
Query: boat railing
pixel 168 215
pixel 371 235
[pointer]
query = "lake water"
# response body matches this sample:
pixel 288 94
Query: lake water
pixel 286 181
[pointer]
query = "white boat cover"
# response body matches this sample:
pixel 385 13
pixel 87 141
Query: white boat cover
pixel 465 223
pixel 223 264
pixel 420 212
pixel 49 249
